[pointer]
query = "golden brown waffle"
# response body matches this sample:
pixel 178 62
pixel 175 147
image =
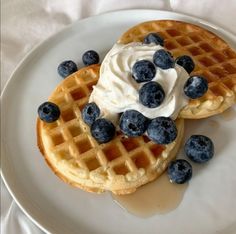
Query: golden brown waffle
pixel 213 57
pixel 120 165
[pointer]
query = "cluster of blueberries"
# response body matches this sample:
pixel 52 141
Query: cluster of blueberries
pixel 161 130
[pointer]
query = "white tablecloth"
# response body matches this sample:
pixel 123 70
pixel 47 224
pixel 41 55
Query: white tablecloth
pixel 25 23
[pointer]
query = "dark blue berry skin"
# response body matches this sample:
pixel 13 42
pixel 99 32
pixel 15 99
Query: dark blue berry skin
pixel 66 68
pixel 163 59
pixel 90 57
pixel 162 130
pixel 151 94
pixel 103 130
pixel 195 87
pixel 179 171
pixel 186 62
pixel 49 112
pixel 143 71
pixel 133 123
pixel 90 113
pixel 199 148
pixel 154 38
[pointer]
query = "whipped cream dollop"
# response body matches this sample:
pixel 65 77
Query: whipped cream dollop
pixel 116 90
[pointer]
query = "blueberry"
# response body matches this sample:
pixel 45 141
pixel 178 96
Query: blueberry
pixel 48 112
pixel 151 94
pixel 90 113
pixel 66 68
pixel 154 38
pixel 133 123
pixel 199 148
pixel 195 87
pixel 103 130
pixel 186 62
pixel 163 59
pixel 90 57
pixel 162 130
pixel 179 171
pixel 143 71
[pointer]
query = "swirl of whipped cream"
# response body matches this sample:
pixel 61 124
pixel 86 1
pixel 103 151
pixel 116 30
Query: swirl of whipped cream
pixel 116 90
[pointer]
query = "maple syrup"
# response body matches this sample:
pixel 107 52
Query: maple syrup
pixel 158 197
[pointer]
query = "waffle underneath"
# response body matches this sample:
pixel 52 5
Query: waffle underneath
pixel 120 165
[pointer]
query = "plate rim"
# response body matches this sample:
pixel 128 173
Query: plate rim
pixel 35 48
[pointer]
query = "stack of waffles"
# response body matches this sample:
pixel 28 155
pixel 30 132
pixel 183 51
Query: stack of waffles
pixel 124 164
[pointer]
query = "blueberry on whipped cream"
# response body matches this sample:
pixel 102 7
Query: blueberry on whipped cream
pixel 163 59
pixel 143 71
pixel 151 94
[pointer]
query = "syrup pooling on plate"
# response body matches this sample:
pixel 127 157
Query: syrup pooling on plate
pixel 157 197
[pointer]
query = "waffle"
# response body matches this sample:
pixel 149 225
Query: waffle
pixel 213 57
pixel 120 165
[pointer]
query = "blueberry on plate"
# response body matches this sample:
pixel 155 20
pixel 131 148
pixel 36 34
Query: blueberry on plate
pixel 143 71
pixel 90 113
pixel 66 68
pixel 179 171
pixel 103 130
pixel 162 130
pixel 195 87
pixel 90 57
pixel 151 94
pixel 163 59
pixel 199 148
pixel 133 123
pixel 49 112
pixel 154 38
pixel 186 62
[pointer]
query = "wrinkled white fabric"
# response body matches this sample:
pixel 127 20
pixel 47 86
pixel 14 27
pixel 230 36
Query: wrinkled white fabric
pixel 25 23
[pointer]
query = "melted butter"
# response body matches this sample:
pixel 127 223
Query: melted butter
pixel 157 197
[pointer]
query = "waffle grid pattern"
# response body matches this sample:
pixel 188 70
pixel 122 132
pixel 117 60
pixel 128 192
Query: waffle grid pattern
pixel 70 144
pixel 214 59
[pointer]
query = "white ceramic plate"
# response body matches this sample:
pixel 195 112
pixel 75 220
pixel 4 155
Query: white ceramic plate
pixel 209 203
